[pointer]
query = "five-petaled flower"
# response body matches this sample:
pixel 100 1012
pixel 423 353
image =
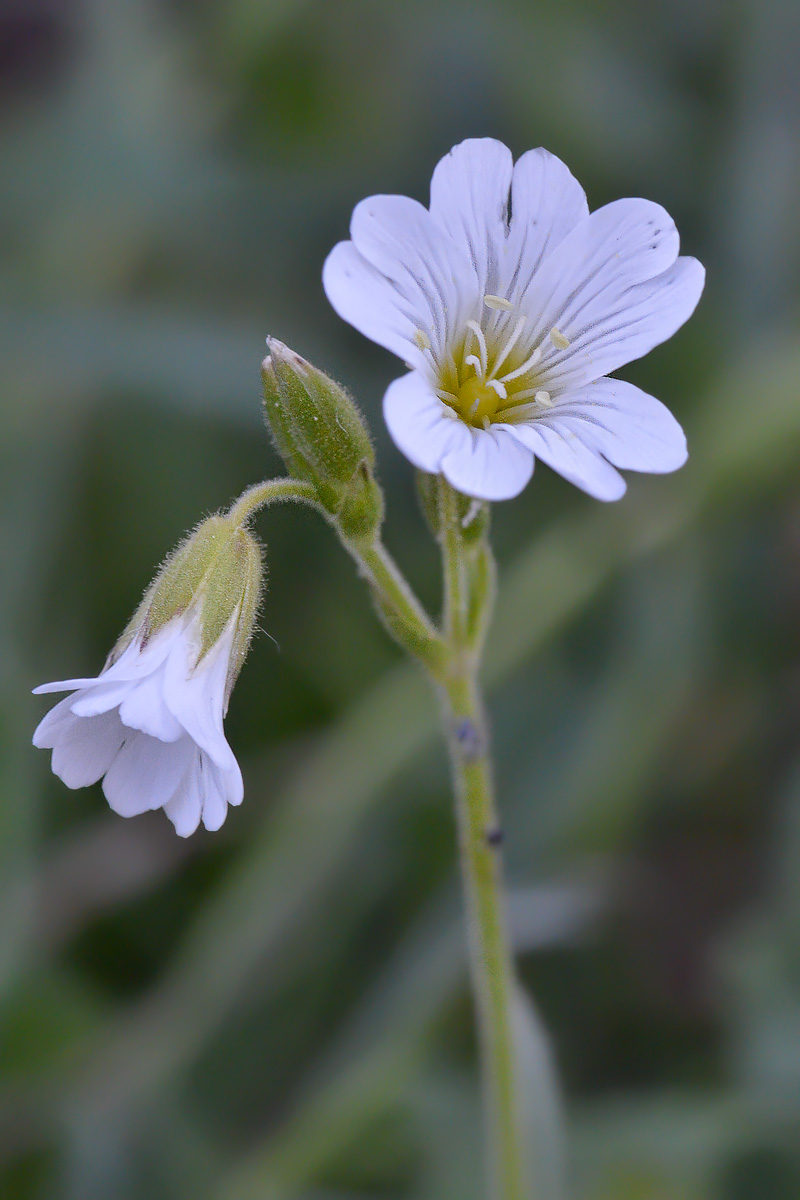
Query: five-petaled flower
pixel 511 304
pixel 151 723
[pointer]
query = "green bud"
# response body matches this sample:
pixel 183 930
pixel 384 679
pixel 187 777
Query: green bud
pixel 213 580
pixel 473 515
pixel 317 429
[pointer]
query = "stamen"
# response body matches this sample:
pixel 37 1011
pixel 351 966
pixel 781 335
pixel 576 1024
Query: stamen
pixel 487 424
pixel 526 394
pixel 498 387
pixel 476 329
pixel 509 346
pixel 558 339
pixel 528 365
pixel 475 361
pixel 473 408
pixel 497 302
pixel 422 339
pixel 543 397
pixel 443 394
pixel 520 411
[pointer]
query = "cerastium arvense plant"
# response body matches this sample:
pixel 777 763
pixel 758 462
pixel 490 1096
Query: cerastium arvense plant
pixel 510 305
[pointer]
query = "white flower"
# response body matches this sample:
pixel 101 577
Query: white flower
pixel 151 724
pixel 510 304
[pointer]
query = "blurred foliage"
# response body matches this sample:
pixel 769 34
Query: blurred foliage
pixel 280 1010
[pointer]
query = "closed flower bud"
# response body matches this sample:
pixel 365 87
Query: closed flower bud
pixel 320 435
pixel 151 723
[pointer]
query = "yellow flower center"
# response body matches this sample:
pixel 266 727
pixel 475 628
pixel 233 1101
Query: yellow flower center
pixel 494 375
pixel 475 400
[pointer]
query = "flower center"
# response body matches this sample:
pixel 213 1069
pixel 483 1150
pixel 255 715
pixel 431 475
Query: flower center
pixel 475 400
pixel 495 376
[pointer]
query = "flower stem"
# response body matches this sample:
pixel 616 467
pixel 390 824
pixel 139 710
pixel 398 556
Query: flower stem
pixel 271 491
pixel 399 609
pixel 479 836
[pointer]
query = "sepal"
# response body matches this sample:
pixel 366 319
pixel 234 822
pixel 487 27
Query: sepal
pixel 216 574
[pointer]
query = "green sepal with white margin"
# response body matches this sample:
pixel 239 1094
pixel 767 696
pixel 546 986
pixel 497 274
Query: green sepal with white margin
pixel 473 515
pixel 322 438
pixel 216 571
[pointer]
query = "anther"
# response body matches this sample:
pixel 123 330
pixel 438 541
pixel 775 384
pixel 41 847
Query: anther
pixel 558 339
pixel 422 339
pixel 497 302
pixel 543 397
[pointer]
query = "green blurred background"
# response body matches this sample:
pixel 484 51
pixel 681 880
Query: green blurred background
pixel 280 1010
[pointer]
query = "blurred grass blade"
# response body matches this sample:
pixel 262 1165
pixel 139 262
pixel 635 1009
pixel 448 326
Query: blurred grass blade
pixel 542 1105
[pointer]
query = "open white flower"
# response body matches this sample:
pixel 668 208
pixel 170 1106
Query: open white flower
pixel 150 724
pixel 510 303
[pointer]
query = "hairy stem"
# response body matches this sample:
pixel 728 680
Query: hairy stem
pixel 271 491
pixel 399 609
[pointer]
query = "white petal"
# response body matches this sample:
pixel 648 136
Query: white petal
pixel 547 202
pixel 649 314
pixel 185 807
pixel 146 773
pixel 627 426
pixel 100 697
pixel 86 747
pixel 371 303
pixel 65 685
pixel 420 424
pixel 612 280
pixel 564 451
pixel 491 466
pixel 469 199
pixel 430 274
pixel 135 662
pixel 215 800
pixel 144 708
pixel 195 694
pixel 49 729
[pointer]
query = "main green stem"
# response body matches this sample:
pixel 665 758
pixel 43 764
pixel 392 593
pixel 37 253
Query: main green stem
pixel 452 659
pixel 480 836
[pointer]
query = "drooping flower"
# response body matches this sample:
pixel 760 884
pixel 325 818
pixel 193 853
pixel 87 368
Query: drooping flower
pixel 511 304
pixel 151 723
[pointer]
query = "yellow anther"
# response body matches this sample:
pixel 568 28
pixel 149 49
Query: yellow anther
pixel 422 339
pixel 497 302
pixel 557 338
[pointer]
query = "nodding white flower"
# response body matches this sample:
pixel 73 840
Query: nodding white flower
pixel 150 724
pixel 510 304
